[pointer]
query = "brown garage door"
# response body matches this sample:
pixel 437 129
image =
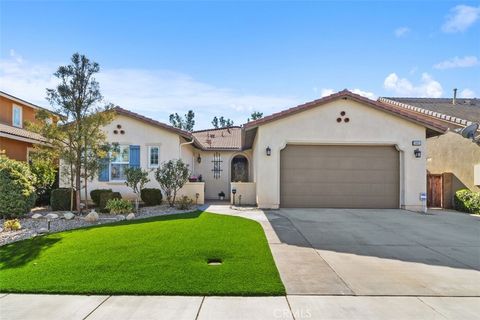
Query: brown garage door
pixel 339 177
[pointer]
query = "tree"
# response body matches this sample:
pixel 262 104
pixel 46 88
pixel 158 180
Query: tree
pixel 172 176
pixel 255 116
pixel 222 122
pixel 136 178
pixel 77 139
pixel 45 173
pixel 187 123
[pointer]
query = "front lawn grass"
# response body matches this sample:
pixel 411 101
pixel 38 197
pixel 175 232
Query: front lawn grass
pixel 162 255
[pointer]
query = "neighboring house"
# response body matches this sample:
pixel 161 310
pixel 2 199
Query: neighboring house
pixel 451 159
pixel 343 150
pixel 15 139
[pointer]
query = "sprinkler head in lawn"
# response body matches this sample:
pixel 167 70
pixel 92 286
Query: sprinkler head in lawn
pixel 214 262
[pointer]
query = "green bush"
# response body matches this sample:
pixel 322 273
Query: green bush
pixel 17 191
pixel 467 201
pixel 105 196
pixel 119 206
pixel 151 196
pixel 184 203
pixel 60 199
pixel 95 195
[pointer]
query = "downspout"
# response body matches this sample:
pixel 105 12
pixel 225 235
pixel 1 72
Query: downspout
pixel 180 152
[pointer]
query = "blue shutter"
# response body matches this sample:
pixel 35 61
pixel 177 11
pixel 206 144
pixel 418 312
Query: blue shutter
pixel 103 172
pixel 134 156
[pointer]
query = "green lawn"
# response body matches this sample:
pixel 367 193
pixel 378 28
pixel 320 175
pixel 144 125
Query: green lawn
pixel 162 255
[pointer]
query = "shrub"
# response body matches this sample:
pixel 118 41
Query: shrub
pixel 184 203
pixel 12 225
pixel 151 196
pixel 45 173
pixel 119 206
pixel 60 199
pixel 95 195
pixel 105 196
pixel 17 191
pixel 172 175
pixel 467 201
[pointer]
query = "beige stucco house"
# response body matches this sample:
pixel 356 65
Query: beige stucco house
pixel 343 150
pixel 453 162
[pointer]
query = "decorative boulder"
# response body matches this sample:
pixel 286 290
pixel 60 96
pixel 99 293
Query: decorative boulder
pixel 120 217
pixel 131 216
pixel 37 216
pixel 42 230
pixel 69 216
pixel 92 216
pixel 52 216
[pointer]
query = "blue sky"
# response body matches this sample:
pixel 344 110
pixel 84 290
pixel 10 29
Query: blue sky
pixel 229 58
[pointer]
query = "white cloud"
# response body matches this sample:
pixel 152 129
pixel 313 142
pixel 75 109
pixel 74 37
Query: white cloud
pixel 152 93
pixel 467 93
pixel 401 32
pixel 326 92
pixel 456 62
pixel 428 87
pixel 461 18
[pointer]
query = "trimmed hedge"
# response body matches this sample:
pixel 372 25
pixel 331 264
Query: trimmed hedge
pixel 95 195
pixel 467 201
pixel 17 191
pixel 60 199
pixel 105 196
pixel 151 196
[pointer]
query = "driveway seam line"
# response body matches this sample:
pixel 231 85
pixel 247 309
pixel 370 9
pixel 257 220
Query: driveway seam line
pixel 290 307
pixel 199 308
pixel 431 307
pixel 318 254
pixel 4 295
pixel 415 241
pixel 94 309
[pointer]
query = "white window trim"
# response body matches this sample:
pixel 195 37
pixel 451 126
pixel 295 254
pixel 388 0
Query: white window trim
pixel 15 107
pixel 149 164
pixel 122 162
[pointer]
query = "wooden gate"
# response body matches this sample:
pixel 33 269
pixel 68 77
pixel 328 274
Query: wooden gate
pixel 435 190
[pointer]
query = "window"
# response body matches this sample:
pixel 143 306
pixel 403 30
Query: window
pixel 153 157
pixel 17 116
pixel 119 161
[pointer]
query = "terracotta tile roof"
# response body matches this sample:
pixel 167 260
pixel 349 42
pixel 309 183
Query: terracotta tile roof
pixel 463 112
pixel 14 132
pixel 345 94
pixel 220 139
pixel 150 121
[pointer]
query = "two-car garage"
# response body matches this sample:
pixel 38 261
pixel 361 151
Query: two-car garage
pixel 339 176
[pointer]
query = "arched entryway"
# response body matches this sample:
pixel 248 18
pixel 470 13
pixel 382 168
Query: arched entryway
pixel 239 169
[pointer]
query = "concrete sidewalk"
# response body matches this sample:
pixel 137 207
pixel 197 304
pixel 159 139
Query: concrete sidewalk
pixel 52 307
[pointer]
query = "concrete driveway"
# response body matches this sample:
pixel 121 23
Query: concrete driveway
pixel 376 252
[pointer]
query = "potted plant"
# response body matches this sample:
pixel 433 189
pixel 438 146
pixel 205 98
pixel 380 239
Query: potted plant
pixel 221 195
pixel 193 179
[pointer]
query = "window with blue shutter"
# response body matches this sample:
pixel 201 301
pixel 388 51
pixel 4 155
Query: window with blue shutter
pixel 103 173
pixel 134 156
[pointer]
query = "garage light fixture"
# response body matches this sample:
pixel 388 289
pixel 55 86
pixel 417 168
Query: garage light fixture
pixel 199 158
pixel 417 153
pixel 268 151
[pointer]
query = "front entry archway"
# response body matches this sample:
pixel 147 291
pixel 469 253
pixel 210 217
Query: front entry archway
pixel 239 169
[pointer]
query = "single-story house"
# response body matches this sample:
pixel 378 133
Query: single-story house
pixel 453 162
pixel 343 150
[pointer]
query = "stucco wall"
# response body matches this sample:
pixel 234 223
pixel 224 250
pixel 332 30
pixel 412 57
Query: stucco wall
pixel 246 190
pixel 319 126
pixel 15 149
pixel 453 153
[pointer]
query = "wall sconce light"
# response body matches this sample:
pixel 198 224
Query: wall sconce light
pixel 199 159
pixel 268 151
pixel 417 153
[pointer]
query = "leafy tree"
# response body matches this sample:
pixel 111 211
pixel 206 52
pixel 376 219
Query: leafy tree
pixel 136 178
pixel 45 172
pixel 172 176
pixel 77 139
pixel 255 116
pixel 185 123
pixel 222 122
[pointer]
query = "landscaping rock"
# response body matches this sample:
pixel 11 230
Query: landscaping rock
pixel 68 215
pixel 37 216
pixel 131 216
pixel 92 216
pixel 42 230
pixel 120 217
pixel 52 216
